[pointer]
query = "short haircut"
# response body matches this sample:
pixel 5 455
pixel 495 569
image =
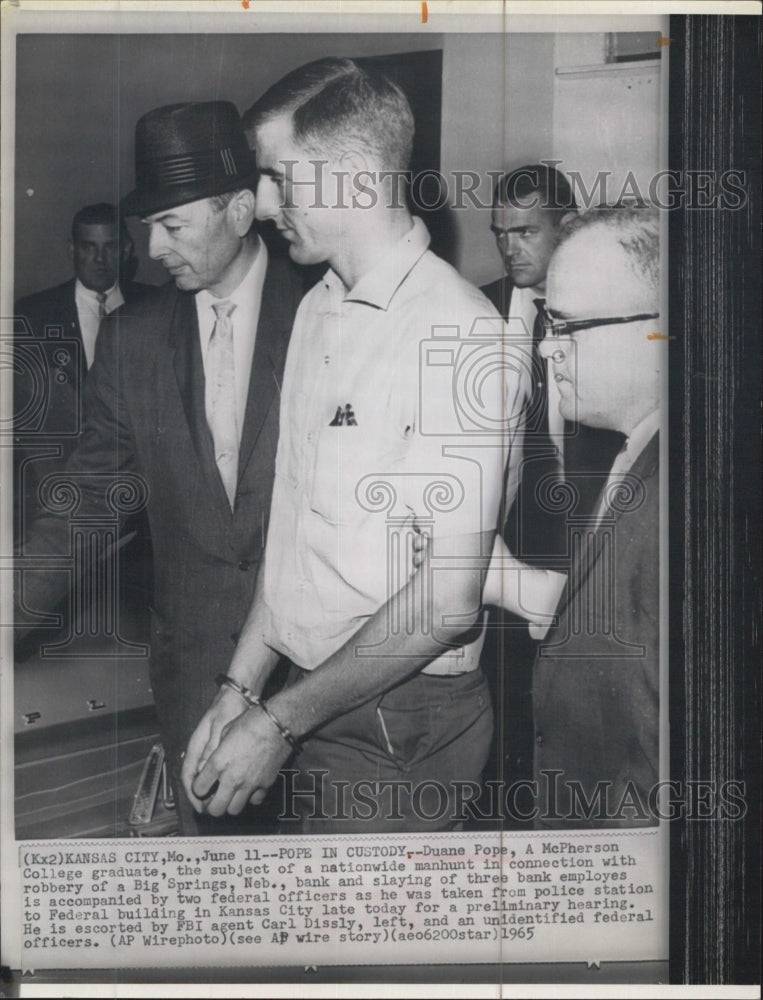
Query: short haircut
pixel 102 214
pixel 637 230
pixel 337 106
pixel 550 188
pixel 221 201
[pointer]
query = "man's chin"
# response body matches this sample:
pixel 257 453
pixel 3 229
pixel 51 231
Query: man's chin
pixel 522 278
pixel 101 285
pixel 187 283
pixel 568 409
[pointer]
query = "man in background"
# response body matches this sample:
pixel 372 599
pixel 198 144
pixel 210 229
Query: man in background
pixel 70 314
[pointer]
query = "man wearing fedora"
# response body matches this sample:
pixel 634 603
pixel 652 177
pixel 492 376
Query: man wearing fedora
pixel 184 391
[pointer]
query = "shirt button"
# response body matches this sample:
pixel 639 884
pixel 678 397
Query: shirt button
pixel 244 565
pixel 539 739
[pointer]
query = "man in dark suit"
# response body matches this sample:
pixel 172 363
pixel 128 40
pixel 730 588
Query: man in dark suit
pixel 184 393
pixel 596 676
pixel 531 205
pixel 68 317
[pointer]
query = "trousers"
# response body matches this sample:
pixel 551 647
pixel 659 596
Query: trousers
pixel 406 761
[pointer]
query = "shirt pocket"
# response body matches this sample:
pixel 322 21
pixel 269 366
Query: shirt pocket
pixel 343 456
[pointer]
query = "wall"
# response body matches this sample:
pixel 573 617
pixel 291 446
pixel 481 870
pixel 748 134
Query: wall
pixel 498 93
pixel 79 96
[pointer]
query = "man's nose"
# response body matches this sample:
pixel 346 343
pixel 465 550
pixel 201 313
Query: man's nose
pixel 156 247
pixel 266 200
pixel 511 244
pixel 556 349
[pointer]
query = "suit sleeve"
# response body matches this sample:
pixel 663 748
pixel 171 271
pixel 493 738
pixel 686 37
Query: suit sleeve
pixel 88 488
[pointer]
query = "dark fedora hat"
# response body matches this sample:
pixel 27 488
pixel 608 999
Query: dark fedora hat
pixel 185 152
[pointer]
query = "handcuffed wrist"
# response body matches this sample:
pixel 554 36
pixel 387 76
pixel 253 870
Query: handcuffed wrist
pixel 253 701
pixel 285 732
pixel 223 680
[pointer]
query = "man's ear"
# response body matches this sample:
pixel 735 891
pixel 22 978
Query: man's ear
pixel 357 166
pixel 241 208
pixel 126 250
pixel 567 217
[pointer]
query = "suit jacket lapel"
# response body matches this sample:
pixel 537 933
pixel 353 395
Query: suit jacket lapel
pixel 189 374
pixel 591 547
pixel 273 329
pixel 70 319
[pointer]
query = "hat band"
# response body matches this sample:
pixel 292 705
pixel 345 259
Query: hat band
pixel 201 168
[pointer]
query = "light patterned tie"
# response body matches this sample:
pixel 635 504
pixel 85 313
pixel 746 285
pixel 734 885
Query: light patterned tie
pixel 101 296
pixel 220 397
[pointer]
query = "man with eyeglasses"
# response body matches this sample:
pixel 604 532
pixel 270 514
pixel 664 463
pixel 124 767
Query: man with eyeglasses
pixel 531 206
pixel 596 673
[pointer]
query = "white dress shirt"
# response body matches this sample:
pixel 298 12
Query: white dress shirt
pixel 247 299
pixel 89 313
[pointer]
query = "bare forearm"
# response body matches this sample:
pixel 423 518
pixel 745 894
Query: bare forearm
pixel 254 660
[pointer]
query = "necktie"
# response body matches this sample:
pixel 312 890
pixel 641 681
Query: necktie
pixel 539 398
pixel 220 398
pixel 534 530
pixel 101 296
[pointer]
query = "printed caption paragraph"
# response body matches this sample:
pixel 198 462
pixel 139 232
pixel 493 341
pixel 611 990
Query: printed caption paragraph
pixel 333 901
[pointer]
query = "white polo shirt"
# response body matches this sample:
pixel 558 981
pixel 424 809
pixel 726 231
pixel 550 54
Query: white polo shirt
pixel 389 409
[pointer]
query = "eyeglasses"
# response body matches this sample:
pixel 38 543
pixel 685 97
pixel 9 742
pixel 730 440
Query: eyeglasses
pixel 555 327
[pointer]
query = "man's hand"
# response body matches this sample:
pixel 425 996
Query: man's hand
pixel 206 738
pixel 419 546
pixel 243 767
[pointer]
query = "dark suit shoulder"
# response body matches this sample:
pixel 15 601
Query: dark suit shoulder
pixel 150 302
pixel 134 291
pixel 47 299
pixel 499 293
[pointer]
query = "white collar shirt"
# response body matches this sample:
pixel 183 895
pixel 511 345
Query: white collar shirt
pixel 89 314
pixel 368 431
pixel 247 298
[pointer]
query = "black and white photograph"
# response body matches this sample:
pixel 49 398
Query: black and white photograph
pixel 381 543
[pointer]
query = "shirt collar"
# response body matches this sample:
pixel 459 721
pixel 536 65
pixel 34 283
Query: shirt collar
pixel 247 294
pixel 642 434
pixel 377 288
pixel 87 293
